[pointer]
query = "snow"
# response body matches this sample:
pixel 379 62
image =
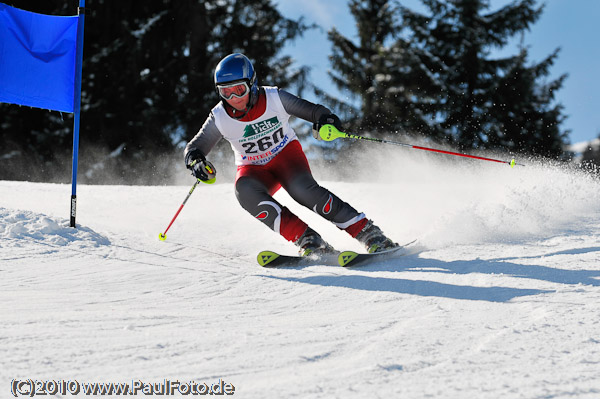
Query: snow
pixel 502 299
pixel 583 146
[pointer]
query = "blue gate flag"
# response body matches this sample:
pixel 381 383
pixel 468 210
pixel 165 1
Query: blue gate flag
pixel 37 59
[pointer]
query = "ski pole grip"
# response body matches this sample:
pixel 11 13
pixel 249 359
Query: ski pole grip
pixel 329 133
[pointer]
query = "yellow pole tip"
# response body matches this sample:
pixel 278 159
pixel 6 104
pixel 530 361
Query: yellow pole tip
pixel 162 236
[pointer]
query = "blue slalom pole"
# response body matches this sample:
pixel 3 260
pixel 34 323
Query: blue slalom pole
pixel 77 108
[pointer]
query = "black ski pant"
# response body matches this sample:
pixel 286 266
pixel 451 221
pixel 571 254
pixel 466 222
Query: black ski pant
pixel 256 184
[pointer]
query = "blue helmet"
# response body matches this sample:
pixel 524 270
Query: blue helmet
pixel 237 68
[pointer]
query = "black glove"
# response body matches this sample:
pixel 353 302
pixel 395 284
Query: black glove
pixel 326 119
pixel 200 167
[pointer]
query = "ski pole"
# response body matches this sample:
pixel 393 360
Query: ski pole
pixel 163 236
pixel 330 133
pixel 211 173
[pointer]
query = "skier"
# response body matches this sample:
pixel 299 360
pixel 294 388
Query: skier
pixel 254 119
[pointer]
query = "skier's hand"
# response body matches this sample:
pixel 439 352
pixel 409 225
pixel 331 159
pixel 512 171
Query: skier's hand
pixel 326 119
pixel 200 167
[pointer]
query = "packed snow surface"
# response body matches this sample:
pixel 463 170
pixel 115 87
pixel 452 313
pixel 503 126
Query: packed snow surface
pixel 501 299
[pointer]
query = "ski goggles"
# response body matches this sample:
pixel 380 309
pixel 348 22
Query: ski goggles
pixel 238 90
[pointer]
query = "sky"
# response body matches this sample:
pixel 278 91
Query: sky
pixel 571 25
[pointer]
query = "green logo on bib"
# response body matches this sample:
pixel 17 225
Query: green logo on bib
pixel 261 127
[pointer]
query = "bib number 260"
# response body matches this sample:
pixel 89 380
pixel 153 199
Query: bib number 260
pixel 264 143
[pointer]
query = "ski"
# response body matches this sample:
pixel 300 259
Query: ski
pixel 345 258
pixel 274 259
pixel 353 258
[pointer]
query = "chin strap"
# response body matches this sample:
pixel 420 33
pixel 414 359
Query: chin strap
pixel 232 111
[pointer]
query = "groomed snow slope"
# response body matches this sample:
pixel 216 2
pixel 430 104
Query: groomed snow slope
pixel 502 300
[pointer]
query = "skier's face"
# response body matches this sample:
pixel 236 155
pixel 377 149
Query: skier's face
pixel 239 103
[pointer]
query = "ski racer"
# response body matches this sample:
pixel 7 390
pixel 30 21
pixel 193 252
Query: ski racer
pixel 254 119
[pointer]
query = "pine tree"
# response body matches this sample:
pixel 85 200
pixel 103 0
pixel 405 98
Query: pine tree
pixel 524 117
pixel 381 74
pixel 433 74
pixel 489 103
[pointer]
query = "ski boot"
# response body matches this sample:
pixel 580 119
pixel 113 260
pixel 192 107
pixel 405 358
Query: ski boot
pixel 374 240
pixel 311 243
